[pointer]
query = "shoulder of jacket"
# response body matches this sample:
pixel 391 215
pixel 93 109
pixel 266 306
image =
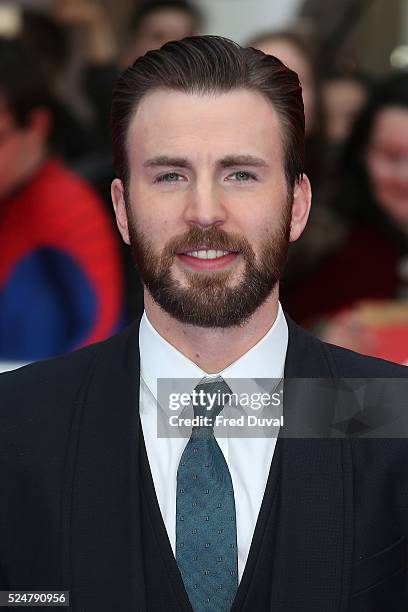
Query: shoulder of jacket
pixel 59 376
pixel 351 364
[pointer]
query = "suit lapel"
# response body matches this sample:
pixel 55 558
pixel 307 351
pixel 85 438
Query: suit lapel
pixel 314 531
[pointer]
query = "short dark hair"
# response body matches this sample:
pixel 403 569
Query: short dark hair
pixel 46 40
pixel 211 64
pixel 22 85
pixel 148 8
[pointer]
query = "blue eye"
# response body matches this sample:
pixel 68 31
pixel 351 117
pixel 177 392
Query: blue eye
pixel 169 177
pixel 242 176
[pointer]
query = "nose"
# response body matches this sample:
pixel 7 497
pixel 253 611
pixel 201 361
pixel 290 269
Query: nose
pixel 204 207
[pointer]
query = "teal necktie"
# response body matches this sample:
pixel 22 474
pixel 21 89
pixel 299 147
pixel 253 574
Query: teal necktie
pixel 206 533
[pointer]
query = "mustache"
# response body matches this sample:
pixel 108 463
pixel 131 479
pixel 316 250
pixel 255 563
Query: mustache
pixel 213 238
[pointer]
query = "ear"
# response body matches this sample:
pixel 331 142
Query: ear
pixel 40 123
pixel 302 200
pixel 119 206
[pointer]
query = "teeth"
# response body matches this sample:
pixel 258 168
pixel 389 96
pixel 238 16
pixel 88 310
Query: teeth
pixel 210 254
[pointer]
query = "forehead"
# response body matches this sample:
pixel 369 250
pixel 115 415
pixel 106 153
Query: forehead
pixel 391 126
pixel 211 125
pixel 167 18
pixel 290 55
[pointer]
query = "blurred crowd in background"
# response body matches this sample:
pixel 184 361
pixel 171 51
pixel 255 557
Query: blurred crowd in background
pixel 66 279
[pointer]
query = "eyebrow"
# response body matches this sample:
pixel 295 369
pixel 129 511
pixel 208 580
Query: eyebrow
pixel 242 160
pixel 225 162
pixel 165 160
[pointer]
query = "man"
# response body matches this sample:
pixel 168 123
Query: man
pixel 60 276
pixel 208 141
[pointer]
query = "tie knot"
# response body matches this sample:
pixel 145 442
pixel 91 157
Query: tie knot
pixel 209 397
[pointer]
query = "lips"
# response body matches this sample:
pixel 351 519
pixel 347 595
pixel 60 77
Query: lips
pixel 205 252
pixel 207 259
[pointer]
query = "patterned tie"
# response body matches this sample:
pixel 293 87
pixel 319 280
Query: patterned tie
pixel 206 533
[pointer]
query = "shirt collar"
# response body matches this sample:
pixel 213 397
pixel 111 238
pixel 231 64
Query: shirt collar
pixel 159 359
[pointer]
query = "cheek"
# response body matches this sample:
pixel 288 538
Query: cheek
pixel 6 162
pixel 260 235
pixel 12 150
pixel 157 213
pixel 391 193
pixel 10 157
pixel 382 179
pixel 143 209
pixel 155 225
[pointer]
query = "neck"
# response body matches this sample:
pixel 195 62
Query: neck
pixel 213 349
pixel 32 164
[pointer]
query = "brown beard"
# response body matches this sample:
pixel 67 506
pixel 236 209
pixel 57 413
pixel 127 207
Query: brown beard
pixel 208 301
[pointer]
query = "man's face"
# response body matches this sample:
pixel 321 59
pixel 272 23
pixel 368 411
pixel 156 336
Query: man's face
pixel 208 214
pixel 20 147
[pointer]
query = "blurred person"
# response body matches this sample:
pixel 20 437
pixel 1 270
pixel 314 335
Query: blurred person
pixel 155 23
pixel 293 50
pixel 102 505
pixel 151 25
pixel 60 280
pixel 48 42
pixel 49 46
pixel 344 95
pixel 371 203
pixel 324 234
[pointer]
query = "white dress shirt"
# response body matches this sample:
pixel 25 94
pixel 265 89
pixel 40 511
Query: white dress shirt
pixel 248 459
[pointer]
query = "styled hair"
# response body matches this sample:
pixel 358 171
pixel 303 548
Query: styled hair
pixel 22 85
pixel 207 65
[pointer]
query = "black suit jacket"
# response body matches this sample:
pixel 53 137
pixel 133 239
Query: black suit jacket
pixel 70 469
